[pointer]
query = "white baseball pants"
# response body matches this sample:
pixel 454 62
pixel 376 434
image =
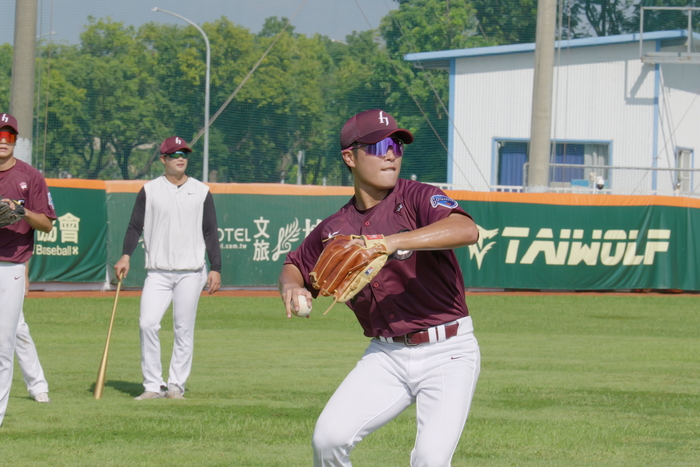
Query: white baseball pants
pixel 182 288
pixel 28 360
pixel 439 378
pixel 12 299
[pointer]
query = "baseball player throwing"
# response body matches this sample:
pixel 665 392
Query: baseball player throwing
pixel 422 348
pixel 23 189
pixel 177 217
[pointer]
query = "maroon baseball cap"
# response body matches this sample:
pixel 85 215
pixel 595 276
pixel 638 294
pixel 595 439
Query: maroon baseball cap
pixel 8 120
pixel 371 126
pixel 174 144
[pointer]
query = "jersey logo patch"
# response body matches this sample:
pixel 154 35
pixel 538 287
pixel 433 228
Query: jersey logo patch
pixel 444 201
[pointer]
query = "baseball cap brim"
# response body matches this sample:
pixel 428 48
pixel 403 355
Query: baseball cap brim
pixel 183 149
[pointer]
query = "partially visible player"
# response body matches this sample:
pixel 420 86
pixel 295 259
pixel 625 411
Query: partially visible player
pixel 177 217
pixel 422 348
pixel 28 358
pixel 20 184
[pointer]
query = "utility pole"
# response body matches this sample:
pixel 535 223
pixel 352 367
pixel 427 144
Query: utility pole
pixel 541 126
pixel 22 82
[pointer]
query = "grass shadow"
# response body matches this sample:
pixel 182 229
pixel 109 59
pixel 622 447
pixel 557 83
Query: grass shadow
pixel 127 387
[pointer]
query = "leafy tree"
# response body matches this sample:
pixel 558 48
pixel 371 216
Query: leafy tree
pixel 418 98
pixel 665 20
pixel 5 78
pixel 277 112
pixel 507 22
pixel 102 103
pixel 610 17
pixel 429 25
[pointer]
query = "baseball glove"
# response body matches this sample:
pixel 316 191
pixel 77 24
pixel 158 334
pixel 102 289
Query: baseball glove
pixel 342 271
pixel 9 216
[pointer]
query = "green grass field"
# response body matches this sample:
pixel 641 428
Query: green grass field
pixel 570 380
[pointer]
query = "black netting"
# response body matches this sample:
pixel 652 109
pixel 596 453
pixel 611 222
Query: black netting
pixel 105 103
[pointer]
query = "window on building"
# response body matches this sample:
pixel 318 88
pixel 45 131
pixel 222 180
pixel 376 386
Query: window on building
pixel 683 161
pixel 512 156
pixel 567 154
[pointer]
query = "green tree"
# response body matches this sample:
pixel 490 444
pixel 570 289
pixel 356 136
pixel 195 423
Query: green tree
pixel 665 20
pixel 507 22
pixel 609 17
pixel 5 76
pixel 418 97
pixel 103 109
pixel 277 112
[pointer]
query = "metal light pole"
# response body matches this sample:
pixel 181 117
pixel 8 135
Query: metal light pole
pixel 205 163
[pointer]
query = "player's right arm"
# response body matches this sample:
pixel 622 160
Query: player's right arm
pixel 291 285
pixel 454 231
pixel 37 220
pixel 294 277
pixel 133 233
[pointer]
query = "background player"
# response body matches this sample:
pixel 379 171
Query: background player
pixel 422 350
pixel 20 183
pixel 177 217
pixel 28 358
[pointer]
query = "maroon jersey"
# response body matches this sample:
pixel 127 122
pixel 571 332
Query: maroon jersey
pixel 24 184
pixel 413 291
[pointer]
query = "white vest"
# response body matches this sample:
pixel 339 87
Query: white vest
pixel 172 227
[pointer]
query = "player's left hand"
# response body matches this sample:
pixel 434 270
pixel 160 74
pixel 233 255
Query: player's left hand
pixel 213 282
pixel 10 212
pixel 360 240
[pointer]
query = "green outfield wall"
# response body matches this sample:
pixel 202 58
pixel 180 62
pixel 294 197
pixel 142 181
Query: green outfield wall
pixel 527 241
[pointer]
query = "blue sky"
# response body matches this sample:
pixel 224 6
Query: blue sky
pixel 333 18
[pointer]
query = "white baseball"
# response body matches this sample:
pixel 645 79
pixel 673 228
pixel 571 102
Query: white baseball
pixel 304 308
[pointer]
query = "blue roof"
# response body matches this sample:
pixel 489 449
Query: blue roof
pixel 444 55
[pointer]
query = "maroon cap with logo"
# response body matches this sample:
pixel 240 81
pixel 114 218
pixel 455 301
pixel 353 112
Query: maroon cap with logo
pixel 8 120
pixel 173 145
pixel 371 126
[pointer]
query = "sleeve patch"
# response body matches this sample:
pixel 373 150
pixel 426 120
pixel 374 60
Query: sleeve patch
pixel 443 201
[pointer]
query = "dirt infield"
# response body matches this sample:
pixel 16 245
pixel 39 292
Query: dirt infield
pixel 274 293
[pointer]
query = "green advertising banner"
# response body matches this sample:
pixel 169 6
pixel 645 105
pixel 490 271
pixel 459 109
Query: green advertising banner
pixel 527 241
pixel 75 250
pixel 539 246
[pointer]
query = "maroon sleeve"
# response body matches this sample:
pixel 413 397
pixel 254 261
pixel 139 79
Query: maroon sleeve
pixel 430 204
pixel 40 198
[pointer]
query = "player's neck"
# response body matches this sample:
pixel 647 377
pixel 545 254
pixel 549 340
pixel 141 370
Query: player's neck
pixel 176 179
pixel 367 197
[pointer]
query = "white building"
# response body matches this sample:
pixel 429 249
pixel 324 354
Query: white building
pixel 610 108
